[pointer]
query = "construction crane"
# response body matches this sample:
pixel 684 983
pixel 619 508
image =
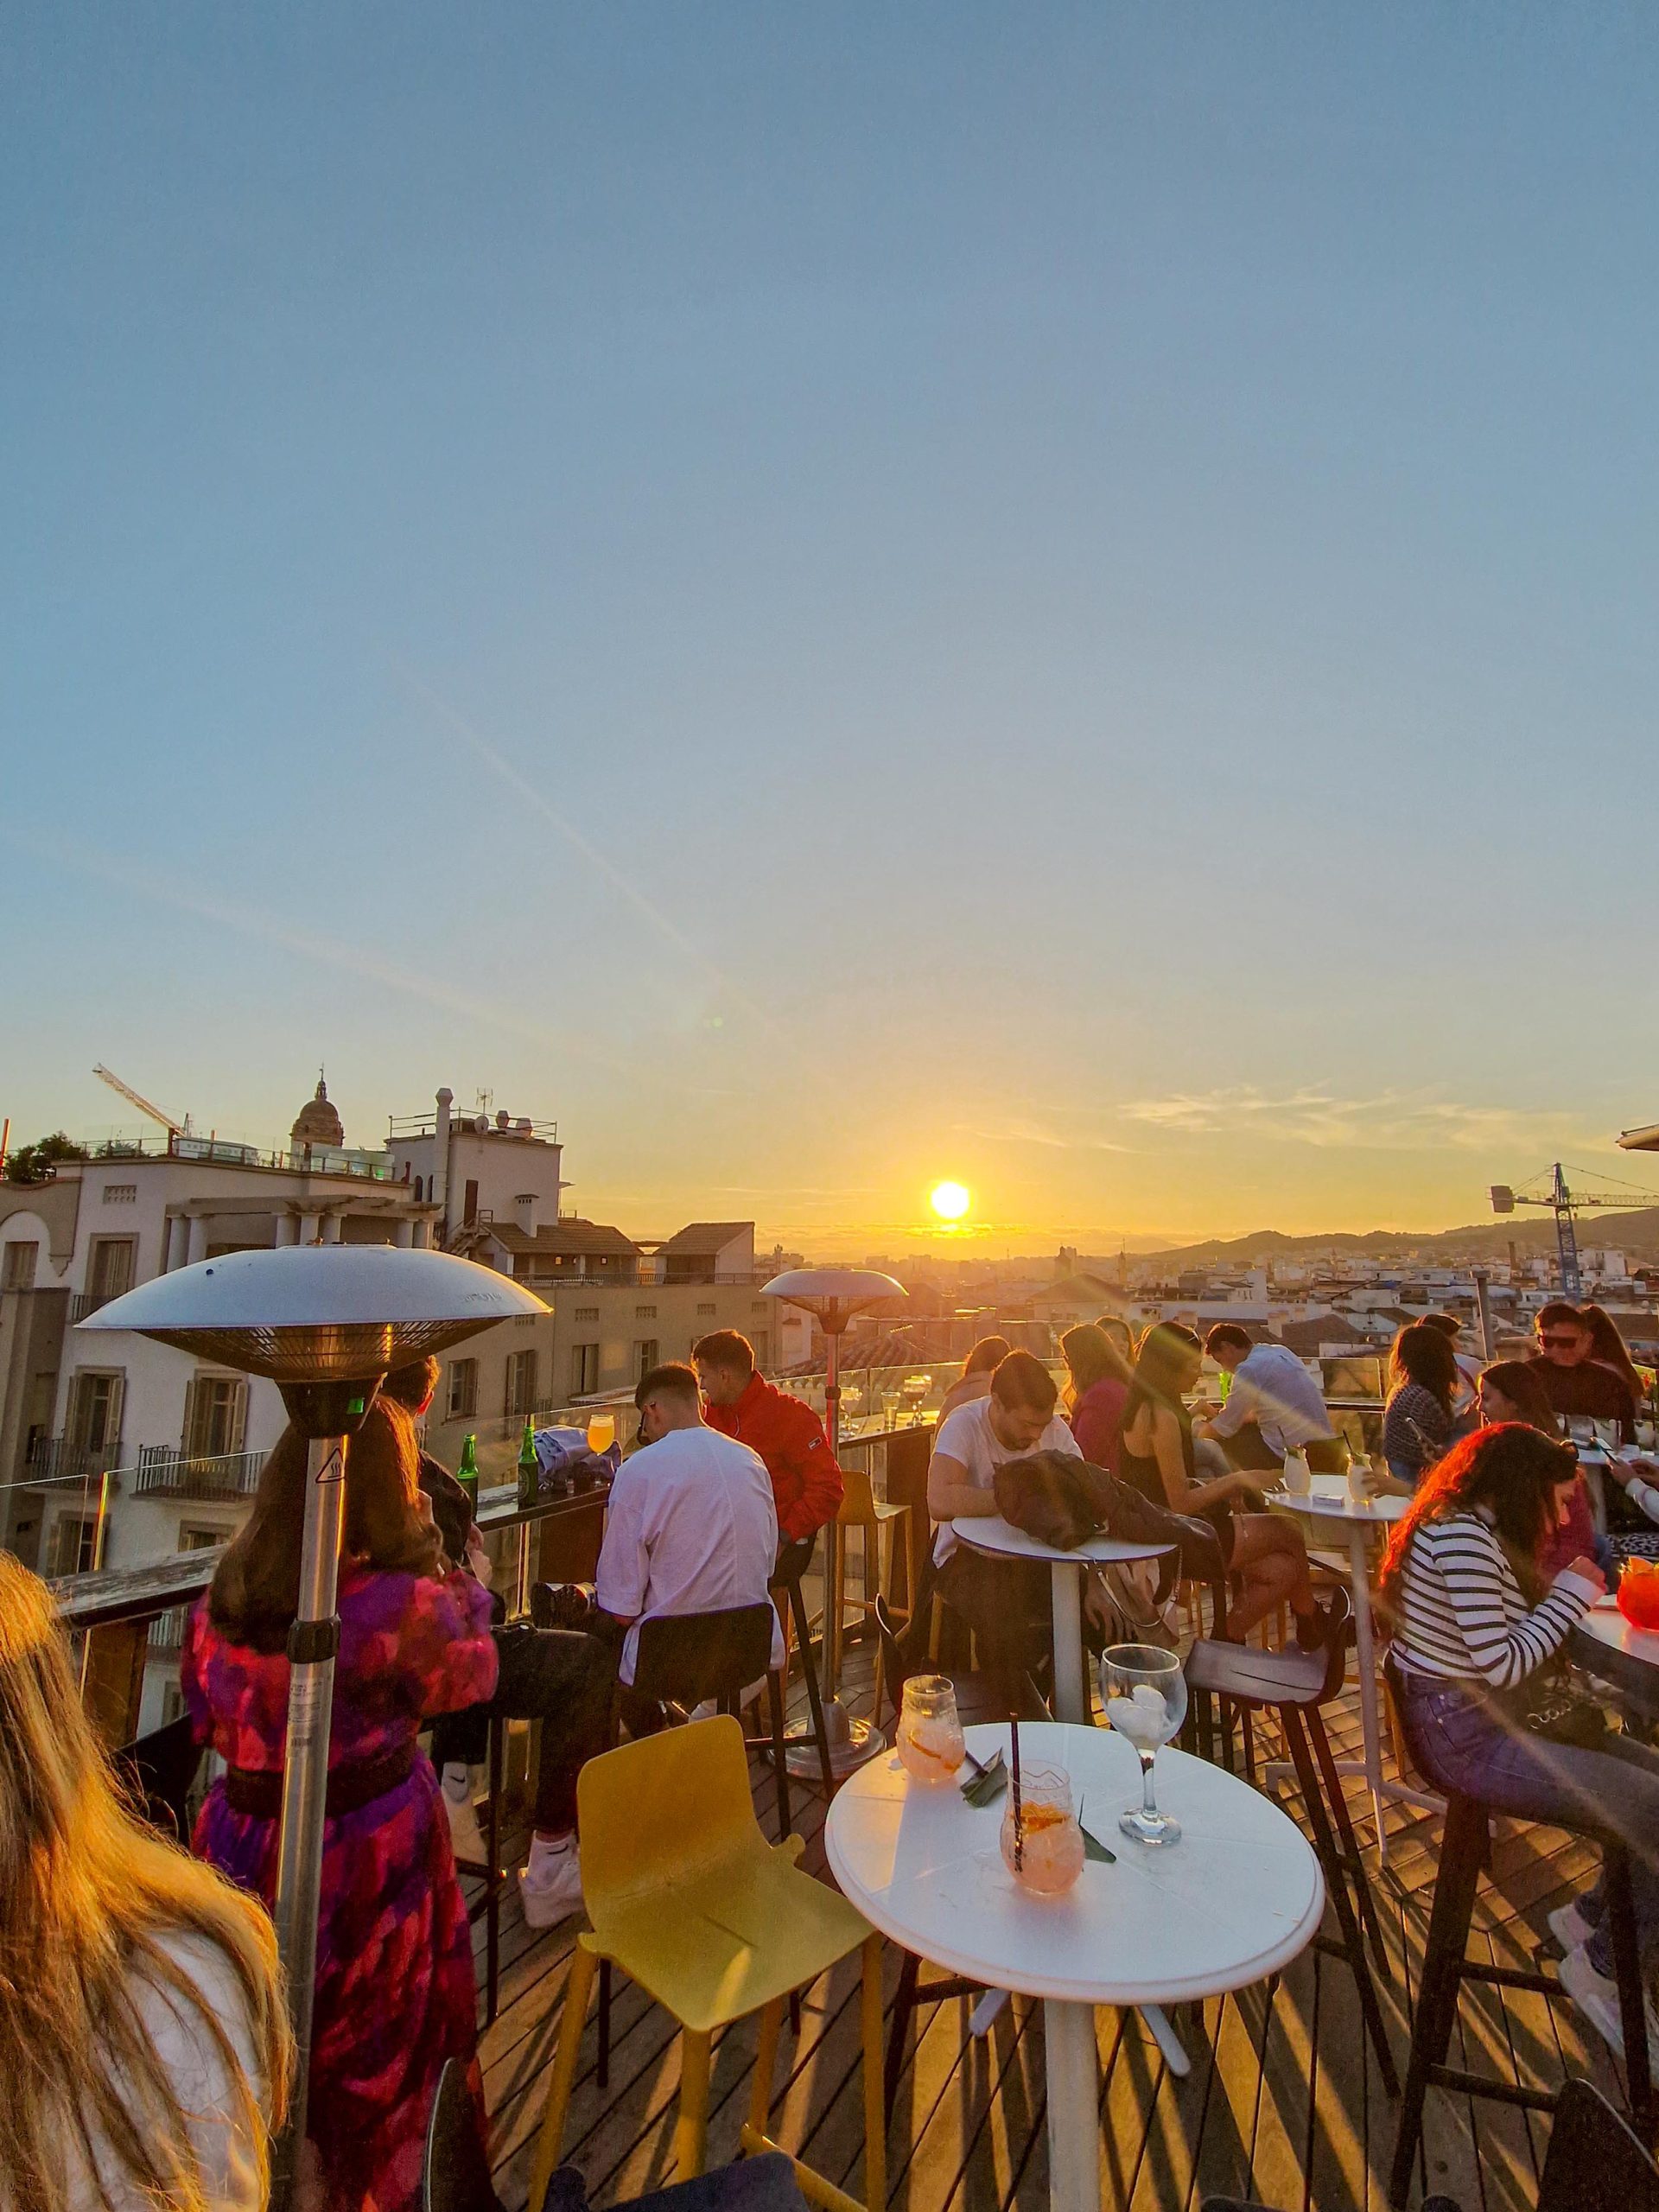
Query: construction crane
pixel 1564 1202
pixel 133 1099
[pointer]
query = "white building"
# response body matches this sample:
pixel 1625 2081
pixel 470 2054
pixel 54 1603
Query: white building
pixel 183 1441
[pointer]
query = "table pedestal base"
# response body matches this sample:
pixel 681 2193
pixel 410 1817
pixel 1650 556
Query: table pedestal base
pixel 1073 2107
pixel 991 2004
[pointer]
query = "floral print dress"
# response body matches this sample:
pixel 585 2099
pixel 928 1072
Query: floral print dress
pixel 395 1992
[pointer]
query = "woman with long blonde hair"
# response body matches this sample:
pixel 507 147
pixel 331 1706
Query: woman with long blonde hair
pixel 144 2051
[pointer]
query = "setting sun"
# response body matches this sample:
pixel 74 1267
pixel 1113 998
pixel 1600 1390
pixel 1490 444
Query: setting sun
pixel 950 1200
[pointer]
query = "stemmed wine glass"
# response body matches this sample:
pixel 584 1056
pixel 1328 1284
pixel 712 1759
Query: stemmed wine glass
pixel 1144 1690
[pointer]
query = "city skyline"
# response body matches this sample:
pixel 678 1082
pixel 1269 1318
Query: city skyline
pixel 1061 604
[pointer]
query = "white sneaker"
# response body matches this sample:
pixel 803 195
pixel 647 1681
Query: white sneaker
pixel 465 1836
pixel 1569 1927
pixel 1596 1996
pixel 549 1888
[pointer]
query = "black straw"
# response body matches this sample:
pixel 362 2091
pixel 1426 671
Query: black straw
pixel 1019 1816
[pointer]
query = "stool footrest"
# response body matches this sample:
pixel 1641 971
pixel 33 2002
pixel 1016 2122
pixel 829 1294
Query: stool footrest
pixel 1486 2085
pixel 1513 1978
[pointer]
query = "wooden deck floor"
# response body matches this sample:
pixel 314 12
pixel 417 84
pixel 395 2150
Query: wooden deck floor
pixel 1283 2105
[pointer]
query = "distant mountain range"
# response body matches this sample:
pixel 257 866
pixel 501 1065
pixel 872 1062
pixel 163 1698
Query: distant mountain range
pixel 1635 1233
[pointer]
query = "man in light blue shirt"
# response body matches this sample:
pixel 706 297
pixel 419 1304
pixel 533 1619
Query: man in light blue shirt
pixel 1274 1406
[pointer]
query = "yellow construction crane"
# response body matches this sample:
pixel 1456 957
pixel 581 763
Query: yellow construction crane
pixel 133 1099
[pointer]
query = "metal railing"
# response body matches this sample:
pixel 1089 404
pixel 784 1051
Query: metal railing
pixel 57 1459
pixel 84 1302
pixel 228 1152
pixel 165 1472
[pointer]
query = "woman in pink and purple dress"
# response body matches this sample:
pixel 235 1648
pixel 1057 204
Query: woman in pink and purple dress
pixel 394 1991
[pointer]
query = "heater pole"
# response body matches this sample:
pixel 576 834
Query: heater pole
pixel 832 1533
pixel 312 1643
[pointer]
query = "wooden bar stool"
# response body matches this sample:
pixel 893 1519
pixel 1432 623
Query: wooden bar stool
pixel 861 1508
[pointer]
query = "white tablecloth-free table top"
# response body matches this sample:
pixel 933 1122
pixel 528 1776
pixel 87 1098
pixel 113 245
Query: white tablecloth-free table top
pixel 1235 1899
pixel 1606 1625
pixel 989 1532
pixel 1329 1498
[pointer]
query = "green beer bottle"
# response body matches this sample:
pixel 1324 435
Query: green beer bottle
pixel 530 1469
pixel 467 1473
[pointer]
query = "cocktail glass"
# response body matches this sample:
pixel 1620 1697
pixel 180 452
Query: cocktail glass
pixel 1045 1853
pixel 930 1743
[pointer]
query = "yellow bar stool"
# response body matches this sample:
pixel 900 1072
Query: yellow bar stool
pixel 861 1508
pixel 688 1897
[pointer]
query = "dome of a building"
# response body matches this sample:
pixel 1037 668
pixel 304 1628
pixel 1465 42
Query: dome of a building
pixel 319 1126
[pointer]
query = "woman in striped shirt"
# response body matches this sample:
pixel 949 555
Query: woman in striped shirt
pixel 1471 1623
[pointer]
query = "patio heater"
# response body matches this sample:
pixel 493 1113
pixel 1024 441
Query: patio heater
pixel 325 1323
pixel 833 1295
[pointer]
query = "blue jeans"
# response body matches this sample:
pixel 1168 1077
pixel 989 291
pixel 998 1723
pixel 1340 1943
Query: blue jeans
pixel 1469 1745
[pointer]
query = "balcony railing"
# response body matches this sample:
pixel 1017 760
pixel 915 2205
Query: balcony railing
pixel 88 1301
pixel 58 1459
pixel 164 1472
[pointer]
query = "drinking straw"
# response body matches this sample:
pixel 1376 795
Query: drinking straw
pixel 1019 1817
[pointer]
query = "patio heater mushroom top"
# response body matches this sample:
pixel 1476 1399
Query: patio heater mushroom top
pixel 318 1313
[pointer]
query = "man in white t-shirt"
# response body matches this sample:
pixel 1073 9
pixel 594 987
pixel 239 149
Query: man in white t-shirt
pixel 1005 1601
pixel 692 1526
pixel 1274 1406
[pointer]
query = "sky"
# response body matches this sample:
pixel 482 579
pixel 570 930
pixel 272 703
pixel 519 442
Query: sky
pixel 1060 597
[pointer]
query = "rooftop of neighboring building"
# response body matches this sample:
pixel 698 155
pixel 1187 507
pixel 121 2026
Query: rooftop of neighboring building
pixel 701 1240
pixel 570 1237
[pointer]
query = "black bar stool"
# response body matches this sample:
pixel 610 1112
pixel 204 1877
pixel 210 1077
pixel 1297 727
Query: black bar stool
pixel 793 1562
pixel 1294 1684
pixel 492 1876
pixel 1465 1853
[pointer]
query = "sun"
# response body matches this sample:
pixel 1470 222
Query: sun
pixel 951 1200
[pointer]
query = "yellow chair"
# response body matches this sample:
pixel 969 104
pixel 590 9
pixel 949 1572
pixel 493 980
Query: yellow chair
pixel 686 1895
pixel 861 1508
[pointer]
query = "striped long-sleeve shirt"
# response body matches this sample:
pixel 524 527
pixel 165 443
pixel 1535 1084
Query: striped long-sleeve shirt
pixel 1460 1613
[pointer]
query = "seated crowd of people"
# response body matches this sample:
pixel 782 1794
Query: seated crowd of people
pixel 139 1993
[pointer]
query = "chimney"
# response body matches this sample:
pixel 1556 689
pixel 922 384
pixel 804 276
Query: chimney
pixel 439 1190
pixel 525 1207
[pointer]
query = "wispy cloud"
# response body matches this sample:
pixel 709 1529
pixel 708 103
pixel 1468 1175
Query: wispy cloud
pixel 1393 1120
pixel 624 885
pixel 360 962
pixel 1019 1129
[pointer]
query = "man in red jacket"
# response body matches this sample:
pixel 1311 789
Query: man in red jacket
pixel 787 1435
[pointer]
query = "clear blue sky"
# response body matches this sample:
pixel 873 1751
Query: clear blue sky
pixel 1062 595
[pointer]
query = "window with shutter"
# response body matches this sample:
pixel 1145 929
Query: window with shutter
pixel 111 1265
pixel 95 1399
pixel 214 1414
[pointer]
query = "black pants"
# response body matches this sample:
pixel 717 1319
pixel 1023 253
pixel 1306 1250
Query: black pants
pixel 1251 1453
pixel 1008 1605
pixel 558 1676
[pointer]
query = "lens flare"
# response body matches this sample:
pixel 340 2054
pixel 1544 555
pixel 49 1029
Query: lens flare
pixel 950 1200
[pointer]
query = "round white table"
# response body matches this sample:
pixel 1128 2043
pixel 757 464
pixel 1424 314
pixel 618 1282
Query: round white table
pixel 1235 1900
pixel 990 1533
pixel 1328 1502
pixel 1609 1645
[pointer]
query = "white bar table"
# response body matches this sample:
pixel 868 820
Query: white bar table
pixel 1328 1502
pixel 1621 1652
pixel 1235 1900
pixel 991 1534
pixel 999 1539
